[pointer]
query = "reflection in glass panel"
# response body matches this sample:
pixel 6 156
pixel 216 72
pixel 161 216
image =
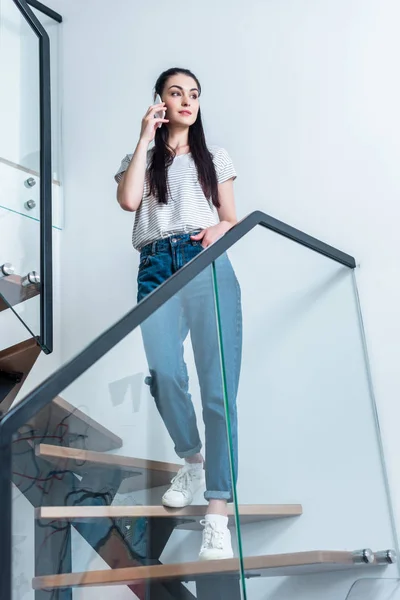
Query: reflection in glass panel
pixel 304 407
pixel 375 589
pixel 19 103
pixel 20 269
pixel 20 117
pixel 20 198
pixel 99 460
pixel 20 158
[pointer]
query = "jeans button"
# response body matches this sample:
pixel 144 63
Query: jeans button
pixel 173 240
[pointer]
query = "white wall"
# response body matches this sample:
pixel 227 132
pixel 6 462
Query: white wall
pixel 12 44
pixel 304 96
pixel 19 101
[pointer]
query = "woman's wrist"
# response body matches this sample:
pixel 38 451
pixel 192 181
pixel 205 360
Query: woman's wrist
pixel 142 145
pixel 226 225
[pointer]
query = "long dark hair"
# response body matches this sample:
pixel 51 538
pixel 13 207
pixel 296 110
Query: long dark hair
pixel 163 154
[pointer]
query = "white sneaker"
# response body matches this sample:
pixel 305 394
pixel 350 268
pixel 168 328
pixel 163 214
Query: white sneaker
pixel 184 486
pixel 217 541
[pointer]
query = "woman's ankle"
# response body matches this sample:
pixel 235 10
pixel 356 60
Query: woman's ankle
pixel 196 458
pixel 217 507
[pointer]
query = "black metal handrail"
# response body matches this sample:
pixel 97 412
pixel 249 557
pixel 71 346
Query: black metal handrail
pixel 45 10
pixel 62 378
pixel 45 337
pixel 51 387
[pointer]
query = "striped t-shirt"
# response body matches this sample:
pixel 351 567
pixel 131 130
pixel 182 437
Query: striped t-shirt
pixel 188 209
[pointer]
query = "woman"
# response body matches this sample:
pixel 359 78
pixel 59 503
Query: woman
pixel 182 193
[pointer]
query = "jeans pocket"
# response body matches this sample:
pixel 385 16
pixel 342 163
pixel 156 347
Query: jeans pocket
pixel 144 262
pixel 197 244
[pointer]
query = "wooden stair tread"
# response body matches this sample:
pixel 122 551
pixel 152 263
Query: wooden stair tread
pixel 19 358
pixel 76 456
pixel 295 563
pixel 14 352
pixel 82 429
pixel 146 473
pixel 190 515
pixel 12 292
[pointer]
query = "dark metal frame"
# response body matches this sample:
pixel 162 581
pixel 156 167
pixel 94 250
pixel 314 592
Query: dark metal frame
pixel 45 10
pixel 45 337
pixel 62 378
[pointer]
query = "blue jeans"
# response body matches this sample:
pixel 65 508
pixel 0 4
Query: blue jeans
pixel 193 310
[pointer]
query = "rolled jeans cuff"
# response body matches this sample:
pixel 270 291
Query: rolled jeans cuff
pixel 210 495
pixel 189 453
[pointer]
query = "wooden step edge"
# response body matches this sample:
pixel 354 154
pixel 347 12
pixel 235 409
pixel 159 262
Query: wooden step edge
pixel 13 293
pixel 14 351
pixel 73 513
pixel 58 453
pixel 276 563
pixel 71 410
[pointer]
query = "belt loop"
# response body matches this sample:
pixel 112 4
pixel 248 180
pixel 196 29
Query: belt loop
pixel 153 247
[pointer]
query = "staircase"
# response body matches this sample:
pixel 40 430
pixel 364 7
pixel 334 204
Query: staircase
pixel 75 487
pixel 73 470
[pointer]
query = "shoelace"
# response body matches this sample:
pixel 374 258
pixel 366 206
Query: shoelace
pixel 212 536
pixel 182 481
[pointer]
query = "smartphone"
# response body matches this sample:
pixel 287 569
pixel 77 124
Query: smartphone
pixel 161 113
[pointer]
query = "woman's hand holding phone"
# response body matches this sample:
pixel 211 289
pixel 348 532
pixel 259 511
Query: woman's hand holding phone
pixel 159 114
pixel 153 119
